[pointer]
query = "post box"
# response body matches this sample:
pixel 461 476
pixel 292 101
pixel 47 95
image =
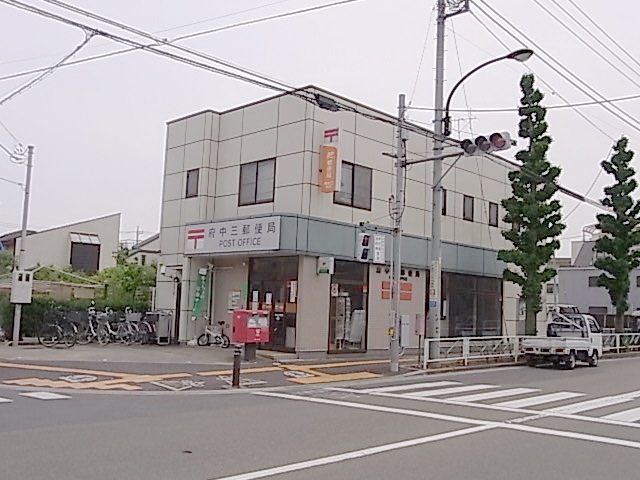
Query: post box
pixel 250 326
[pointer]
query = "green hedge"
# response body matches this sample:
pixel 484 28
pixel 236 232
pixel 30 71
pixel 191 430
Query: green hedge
pixel 33 313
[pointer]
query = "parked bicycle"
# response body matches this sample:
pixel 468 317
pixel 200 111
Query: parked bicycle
pixel 214 335
pixel 57 330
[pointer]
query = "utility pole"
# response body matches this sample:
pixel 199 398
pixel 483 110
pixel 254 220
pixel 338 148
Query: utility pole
pixel 394 347
pixel 137 234
pixel 23 239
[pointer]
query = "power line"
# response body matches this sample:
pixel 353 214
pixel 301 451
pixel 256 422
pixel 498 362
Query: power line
pixel 219 29
pixel 604 32
pixel 585 43
pixel 550 107
pixel 424 48
pixel 12 181
pixel 48 71
pixel 564 76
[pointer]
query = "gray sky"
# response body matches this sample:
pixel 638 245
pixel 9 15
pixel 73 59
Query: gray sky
pixel 99 127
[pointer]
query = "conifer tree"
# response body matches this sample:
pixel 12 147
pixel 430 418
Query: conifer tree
pixel 617 248
pixel 531 211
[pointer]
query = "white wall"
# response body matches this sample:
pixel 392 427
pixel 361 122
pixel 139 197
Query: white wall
pixel 53 246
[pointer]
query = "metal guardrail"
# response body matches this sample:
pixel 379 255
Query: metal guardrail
pixel 466 349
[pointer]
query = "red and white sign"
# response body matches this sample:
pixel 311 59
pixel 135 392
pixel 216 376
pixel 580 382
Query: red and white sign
pixel 193 235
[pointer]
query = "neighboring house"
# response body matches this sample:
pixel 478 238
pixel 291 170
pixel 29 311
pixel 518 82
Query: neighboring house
pixel 145 252
pixel 576 283
pixel 88 245
pixel 246 205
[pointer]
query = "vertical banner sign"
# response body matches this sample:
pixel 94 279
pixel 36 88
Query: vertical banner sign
pixel 330 162
pixel 200 297
pixel 378 248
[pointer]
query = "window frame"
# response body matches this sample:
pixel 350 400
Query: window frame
pixel 593 281
pixel 464 208
pixel 187 192
pixel 256 182
pixel 352 203
pixel 497 214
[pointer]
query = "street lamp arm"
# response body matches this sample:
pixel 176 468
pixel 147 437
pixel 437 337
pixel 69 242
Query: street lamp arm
pixel 519 55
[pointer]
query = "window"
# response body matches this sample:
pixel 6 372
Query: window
pixel 192 183
pixel 143 259
pixel 444 201
pixel 549 287
pixel 467 208
pixel 85 257
pixel 637 281
pixel 493 214
pixel 593 281
pixel 355 186
pixel 257 182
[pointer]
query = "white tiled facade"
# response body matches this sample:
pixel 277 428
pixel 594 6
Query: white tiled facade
pixel 290 130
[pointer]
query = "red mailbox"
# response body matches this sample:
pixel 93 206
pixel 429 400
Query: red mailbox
pixel 250 326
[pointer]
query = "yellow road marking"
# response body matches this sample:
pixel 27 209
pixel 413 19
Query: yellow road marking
pixel 242 370
pixel 47 368
pixel 339 377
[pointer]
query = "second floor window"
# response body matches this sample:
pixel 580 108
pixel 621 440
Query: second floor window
pixel 257 182
pixel 493 214
pixel 191 189
pixel 467 208
pixel 355 186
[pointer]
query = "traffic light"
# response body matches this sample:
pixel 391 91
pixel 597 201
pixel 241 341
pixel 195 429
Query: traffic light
pixel 486 144
pixel 364 241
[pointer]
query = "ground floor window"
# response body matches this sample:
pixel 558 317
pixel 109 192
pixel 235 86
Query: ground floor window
pixel 348 307
pixel 273 286
pixel 472 305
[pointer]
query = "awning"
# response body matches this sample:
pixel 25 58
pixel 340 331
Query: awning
pixel 86 238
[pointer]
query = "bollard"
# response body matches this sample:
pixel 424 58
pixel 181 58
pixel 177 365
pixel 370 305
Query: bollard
pixel 235 382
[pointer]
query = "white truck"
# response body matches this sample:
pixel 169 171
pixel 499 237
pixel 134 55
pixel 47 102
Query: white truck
pixel 570 337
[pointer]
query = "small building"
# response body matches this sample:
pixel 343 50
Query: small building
pixel 88 245
pixel 251 219
pixel 145 252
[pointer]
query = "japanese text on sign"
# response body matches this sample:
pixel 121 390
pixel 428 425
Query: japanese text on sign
pixel 251 234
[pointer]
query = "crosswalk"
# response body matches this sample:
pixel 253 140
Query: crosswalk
pixel 44 396
pixel 627 405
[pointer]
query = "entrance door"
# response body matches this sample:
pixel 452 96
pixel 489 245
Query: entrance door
pixel 273 286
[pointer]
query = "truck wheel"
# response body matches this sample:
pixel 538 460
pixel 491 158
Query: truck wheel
pixel 570 362
pixel 593 359
pixel 531 361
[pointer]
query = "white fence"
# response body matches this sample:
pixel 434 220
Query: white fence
pixel 467 349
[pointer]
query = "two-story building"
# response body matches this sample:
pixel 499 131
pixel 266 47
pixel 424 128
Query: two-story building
pixel 257 200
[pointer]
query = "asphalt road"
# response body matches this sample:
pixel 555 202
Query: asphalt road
pixel 493 424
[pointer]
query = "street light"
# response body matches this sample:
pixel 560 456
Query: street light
pixel 521 55
pixel 442 129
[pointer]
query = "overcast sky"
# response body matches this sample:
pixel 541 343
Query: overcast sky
pixel 99 127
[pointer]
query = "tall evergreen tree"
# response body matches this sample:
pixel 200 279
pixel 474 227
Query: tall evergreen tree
pixel 534 217
pixel 617 248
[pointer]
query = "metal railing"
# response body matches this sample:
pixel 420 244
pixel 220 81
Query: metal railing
pixel 467 349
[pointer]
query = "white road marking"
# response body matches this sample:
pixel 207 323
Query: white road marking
pixel 412 386
pixel 481 426
pixel 45 395
pixel 625 416
pixel 316 462
pixel 490 395
pixel 539 399
pixel 5 400
pixel 448 391
pixel 590 404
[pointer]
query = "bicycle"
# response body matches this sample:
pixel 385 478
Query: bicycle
pixel 57 331
pixel 112 331
pixel 214 336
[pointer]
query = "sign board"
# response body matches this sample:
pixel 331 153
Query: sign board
pixel 325 265
pixel 229 236
pixel 378 248
pixel 330 161
pixel 234 300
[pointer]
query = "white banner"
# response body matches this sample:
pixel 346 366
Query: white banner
pixel 229 236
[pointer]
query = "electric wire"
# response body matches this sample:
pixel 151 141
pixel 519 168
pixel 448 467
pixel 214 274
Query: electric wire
pixel 587 44
pixel 595 37
pixel 424 49
pixel 11 181
pixel 604 32
pixel 49 71
pixel 215 30
pixel 15 139
pixel 541 53
pixel 581 114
